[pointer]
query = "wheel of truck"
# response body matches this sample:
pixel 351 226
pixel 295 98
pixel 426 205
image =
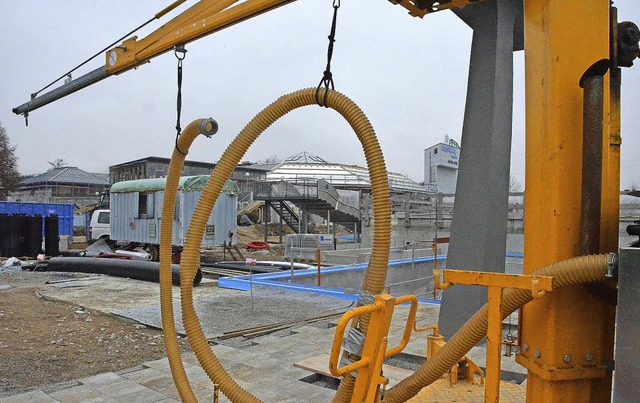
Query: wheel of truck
pixel 154 252
pixel 176 254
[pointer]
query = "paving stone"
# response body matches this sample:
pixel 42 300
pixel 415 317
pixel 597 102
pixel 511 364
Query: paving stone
pixel 102 379
pixel 145 375
pixel 164 386
pixel 132 392
pixel 82 393
pixel 36 396
pixel 161 365
pixel 159 384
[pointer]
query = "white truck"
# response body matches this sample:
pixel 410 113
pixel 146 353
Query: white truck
pixel 100 225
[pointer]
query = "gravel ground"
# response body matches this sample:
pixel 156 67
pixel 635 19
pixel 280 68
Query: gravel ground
pixel 263 306
pixel 44 341
pixel 86 324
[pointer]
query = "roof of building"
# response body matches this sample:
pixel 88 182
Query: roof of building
pixel 164 161
pixel 266 167
pixel 186 183
pixel 67 175
pixel 241 167
pixel 101 175
pixel 305 157
pixel 305 166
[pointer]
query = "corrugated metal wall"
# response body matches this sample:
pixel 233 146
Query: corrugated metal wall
pixel 126 225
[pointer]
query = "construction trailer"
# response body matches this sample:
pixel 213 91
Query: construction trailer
pixel 136 212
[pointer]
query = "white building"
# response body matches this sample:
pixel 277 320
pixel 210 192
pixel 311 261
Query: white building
pixel 441 166
pixel 305 165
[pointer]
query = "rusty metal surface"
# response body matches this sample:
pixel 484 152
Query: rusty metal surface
pixel 591 163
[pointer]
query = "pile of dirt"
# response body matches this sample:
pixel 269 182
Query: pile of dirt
pixel 255 232
pixel 275 251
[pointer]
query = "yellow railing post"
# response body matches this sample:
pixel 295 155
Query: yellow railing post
pixel 374 350
pixel 496 283
pixel 494 345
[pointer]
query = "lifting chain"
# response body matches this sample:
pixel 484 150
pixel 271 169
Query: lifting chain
pixel 181 52
pixel 327 77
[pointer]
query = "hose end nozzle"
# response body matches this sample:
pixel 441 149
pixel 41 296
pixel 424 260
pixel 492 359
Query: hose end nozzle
pixel 208 127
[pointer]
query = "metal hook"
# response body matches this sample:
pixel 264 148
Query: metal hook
pixel 180 49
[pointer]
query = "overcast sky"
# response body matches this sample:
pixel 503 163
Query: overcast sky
pixel 408 75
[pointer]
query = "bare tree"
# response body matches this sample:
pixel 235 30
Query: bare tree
pixel 9 176
pixel 57 163
pixel 514 185
pixel 271 160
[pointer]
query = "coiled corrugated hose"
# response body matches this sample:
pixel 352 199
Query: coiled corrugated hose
pixel 376 272
pixel 579 270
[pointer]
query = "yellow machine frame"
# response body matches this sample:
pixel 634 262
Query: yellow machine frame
pixel 562 40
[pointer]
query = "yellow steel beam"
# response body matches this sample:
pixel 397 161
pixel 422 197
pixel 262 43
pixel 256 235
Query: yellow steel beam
pixel 571 328
pixel 199 11
pixel 502 280
pixel 169 8
pixel 496 283
pixel 204 18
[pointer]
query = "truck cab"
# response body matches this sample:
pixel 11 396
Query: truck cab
pixel 100 226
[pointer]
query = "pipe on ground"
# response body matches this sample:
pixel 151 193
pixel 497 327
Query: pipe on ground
pixel 376 273
pixel 578 270
pixel 135 269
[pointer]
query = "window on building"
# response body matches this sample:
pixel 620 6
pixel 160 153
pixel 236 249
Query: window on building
pixel 145 205
pixel 435 151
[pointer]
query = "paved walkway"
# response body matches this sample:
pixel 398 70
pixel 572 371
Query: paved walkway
pixel 262 365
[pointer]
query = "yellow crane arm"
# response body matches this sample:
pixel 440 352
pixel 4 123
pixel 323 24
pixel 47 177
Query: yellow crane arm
pixel 202 19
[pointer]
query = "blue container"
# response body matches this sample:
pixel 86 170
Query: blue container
pixel 63 211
